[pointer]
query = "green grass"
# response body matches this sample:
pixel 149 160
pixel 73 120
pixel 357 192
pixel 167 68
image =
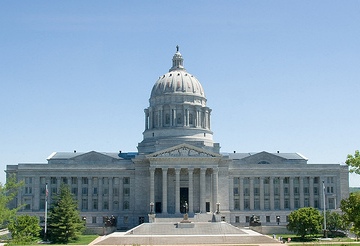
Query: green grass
pixel 84 240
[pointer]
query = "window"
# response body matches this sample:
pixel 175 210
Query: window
pixel 115 191
pixel 73 180
pixel 286 180
pixel 126 205
pixel 236 181
pixel 286 204
pixel 84 180
pixel 95 190
pixel 286 190
pixel 296 203
pixel 93 220
pixel 28 190
pixel 256 191
pixel 236 204
pixel 95 204
pixel 267 219
pixel 296 190
pixel 28 180
pixel 247 219
pixel 191 119
pixel 237 219
pixel 306 190
pixel 316 191
pixel 64 180
pixel 84 204
pixel 53 180
pixel 84 190
pixel 167 119
pixel 105 205
pixel 236 191
pixel 316 180
pixel 126 180
pixel 246 204
pixel 256 204
pixel 179 119
pixel 74 190
pixel 277 204
pixel 126 191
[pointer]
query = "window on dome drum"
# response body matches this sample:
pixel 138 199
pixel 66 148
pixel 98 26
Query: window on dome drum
pixel 178 119
pixel 191 119
pixel 263 162
pixel 167 119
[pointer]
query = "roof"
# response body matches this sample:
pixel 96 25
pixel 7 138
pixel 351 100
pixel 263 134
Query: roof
pixel 69 155
pixel 288 156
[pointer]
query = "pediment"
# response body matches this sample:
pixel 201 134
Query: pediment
pixel 183 150
pixel 93 157
pixel 263 158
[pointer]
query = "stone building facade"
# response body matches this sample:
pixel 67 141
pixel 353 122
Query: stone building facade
pixel 178 163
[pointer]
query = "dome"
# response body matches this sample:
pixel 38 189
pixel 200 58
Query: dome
pixel 177 80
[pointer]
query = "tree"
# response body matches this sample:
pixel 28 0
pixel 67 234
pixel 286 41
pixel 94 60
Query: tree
pixel 305 221
pixel 25 229
pixel 353 161
pixel 7 194
pixel 351 210
pixel 64 221
pixel 335 222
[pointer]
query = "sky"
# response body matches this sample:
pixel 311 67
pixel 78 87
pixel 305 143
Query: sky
pixel 278 75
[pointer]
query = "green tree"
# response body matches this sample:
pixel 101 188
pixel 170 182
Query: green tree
pixel 351 210
pixel 25 229
pixel 64 221
pixel 353 161
pixel 7 194
pixel 305 221
pixel 335 222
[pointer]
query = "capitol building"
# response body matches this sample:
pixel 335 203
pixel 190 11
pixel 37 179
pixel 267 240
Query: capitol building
pixel 179 167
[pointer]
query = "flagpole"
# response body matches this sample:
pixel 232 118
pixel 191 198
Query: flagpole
pixel 46 203
pixel 325 233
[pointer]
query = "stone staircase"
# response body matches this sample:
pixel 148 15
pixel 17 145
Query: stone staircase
pixel 174 218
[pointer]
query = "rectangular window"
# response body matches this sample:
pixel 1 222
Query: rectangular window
pixel 115 191
pixel 236 181
pixel 246 204
pixel 276 204
pixel 84 190
pixel 267 219
pixel 74 190
pixel 105 205
pixel 236 191
pixel 84 204
pixel 306 202
pixel 95 204
pixel 237 219
pixel 93 220
pixel 247 219
pixel 126 205
pixel 64 180
pixel 73 180
pixel 126 191
pixel 28 180
pixel 95 190
pixel 286 204
pixel 316 180
pixel 316 191
pixel 84 180
pixel 286 190
pixel 286 180
pixel 267 204
pixel 306 190
pixel 126 180
pixel 296 203
pixel 256 191
pixel 257 204
pixel 53 180
pixel 296 190
pixel 236 204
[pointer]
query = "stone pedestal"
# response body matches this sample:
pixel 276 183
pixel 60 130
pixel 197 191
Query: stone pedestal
pixel 152 218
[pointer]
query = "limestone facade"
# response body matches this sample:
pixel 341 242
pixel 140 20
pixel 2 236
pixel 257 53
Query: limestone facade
pixel 177 162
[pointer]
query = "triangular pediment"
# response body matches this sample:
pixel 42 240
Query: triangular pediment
pixel 263 158
pixel 93 157
pixel 183 150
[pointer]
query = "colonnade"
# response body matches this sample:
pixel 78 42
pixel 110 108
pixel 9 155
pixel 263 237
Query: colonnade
pixel 199 195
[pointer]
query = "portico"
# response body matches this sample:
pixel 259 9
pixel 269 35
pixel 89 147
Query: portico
pixel 177 176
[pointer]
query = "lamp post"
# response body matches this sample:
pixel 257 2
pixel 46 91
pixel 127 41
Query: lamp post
pixel 151 207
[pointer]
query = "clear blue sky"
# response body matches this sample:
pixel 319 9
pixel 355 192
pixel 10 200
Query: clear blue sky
pixel 279 75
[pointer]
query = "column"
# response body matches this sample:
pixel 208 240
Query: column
pixel 164 190
pixel 100 192
pixel 281 193
pixel 191 190
pixel 262 197
pixel 152 185
pixel 215 188
pixel 146 119
pixel 241 190
pixel 272 193
pixel 121 193
pixel 202 190
pixel 79 192
pixel 111 196
pixel 251 193
pixel 311 191
pixel 177 190
pixel 291 193
pixel 301 181
pixel 231 194
pixel 90 192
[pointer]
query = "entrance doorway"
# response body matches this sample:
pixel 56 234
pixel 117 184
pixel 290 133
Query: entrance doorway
pixel 184 197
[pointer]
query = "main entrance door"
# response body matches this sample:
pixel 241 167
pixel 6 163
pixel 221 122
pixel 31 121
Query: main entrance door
pixel 184 197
